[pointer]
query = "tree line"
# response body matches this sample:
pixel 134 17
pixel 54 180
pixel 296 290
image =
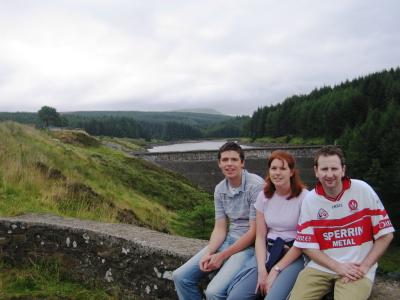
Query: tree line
pixel 362 116
pixel 159 126
pixel 328 111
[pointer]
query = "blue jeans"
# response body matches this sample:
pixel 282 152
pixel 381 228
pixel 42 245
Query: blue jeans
pixel 188 276
pixel 245 282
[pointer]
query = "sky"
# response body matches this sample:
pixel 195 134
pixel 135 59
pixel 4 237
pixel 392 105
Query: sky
pixel 148 55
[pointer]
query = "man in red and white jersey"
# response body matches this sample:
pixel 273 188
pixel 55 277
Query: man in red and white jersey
pixel 344 229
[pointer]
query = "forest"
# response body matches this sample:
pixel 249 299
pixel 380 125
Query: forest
pixel 362 116
pixel 167 126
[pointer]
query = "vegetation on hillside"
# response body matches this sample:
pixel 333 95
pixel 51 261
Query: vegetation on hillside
pixel 71 173
pixel 362 115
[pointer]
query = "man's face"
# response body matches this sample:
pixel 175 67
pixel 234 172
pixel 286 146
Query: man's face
pixel 330 172
pixel 230 165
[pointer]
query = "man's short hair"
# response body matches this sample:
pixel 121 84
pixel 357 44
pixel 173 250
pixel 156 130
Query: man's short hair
pixel 231 146
pixel 329 151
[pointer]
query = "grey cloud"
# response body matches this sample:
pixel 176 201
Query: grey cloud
pixel 234 56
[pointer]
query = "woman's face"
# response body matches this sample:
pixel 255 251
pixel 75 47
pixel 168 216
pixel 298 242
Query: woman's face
pixel 280 173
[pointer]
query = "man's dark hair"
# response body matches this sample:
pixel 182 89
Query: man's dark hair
pixel 329 151
pixel 231 146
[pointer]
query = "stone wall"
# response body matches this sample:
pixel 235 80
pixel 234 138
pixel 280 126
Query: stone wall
pixel 133 261
pixel 206 174
pixel 205 155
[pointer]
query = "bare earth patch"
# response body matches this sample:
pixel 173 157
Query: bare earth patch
pixel 385 289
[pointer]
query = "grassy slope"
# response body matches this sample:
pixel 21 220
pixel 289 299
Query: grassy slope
pixel 72 174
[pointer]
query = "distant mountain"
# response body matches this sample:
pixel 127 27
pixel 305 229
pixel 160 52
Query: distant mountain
pixel 168 125
pixel 192 118
pixel 210 111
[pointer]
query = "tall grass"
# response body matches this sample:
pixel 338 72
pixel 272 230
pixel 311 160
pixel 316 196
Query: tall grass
pixel 72 174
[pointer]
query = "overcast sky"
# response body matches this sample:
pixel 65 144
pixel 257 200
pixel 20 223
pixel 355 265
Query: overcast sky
pixel 233 55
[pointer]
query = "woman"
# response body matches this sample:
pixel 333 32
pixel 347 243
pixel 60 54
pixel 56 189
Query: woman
pixel 278 210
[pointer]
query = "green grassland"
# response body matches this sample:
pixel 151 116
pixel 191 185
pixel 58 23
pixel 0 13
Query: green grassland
pixel 70 173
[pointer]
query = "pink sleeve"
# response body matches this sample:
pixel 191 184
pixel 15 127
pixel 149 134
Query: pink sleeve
pixel 260 202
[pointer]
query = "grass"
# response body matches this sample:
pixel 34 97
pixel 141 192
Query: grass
pixel 390 261
pixel 70 173
pixel 44 280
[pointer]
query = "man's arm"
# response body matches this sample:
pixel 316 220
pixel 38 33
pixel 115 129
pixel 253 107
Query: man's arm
pixel 217 237
pixel 243 242
pixel 380 246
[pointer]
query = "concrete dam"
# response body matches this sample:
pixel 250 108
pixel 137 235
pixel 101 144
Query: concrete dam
pixel 201 168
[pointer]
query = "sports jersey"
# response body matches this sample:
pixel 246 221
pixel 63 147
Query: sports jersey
pixel 343 227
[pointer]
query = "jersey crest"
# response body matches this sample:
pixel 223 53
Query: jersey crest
pixel 322 214
pixel 353 204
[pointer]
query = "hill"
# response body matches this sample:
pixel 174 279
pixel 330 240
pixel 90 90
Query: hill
pixel 173 125
pixel 211 111
pixel 70 173
pixel 186 117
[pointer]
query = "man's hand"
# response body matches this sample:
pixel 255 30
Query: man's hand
pixel 216 261
pixel 204 263
pixel 362 268
pixel 351 271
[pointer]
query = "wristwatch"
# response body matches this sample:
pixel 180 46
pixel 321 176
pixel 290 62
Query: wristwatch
pixel 276 268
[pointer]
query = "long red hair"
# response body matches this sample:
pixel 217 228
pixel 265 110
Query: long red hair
pixel 296 185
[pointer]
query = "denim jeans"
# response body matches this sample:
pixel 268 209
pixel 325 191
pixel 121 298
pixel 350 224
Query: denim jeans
pixel 188 276
pixel 245 283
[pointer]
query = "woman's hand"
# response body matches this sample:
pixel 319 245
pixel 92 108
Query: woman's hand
pixel 262 282
pixel 271 278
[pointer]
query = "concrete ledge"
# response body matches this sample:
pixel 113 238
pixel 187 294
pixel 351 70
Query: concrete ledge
pixel 131 260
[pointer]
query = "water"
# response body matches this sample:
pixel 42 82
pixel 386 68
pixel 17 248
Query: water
pixel 191 146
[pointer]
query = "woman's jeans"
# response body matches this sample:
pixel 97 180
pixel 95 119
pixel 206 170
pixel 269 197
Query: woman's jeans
pixel 188 276
pixel 245 283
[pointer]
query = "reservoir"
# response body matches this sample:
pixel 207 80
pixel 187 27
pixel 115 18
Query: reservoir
pixel 192 146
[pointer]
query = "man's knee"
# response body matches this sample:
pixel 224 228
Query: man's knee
pixel 354 290
pixel 177 276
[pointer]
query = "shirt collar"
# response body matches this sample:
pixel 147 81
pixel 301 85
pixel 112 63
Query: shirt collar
pixel 346 183
pixel 225 189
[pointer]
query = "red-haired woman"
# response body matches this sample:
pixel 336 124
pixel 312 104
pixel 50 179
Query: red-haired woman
pixel 277 263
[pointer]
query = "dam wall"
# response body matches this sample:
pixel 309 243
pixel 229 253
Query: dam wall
pixel 201 167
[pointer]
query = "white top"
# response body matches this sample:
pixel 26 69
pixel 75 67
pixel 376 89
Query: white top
pixel 281 215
